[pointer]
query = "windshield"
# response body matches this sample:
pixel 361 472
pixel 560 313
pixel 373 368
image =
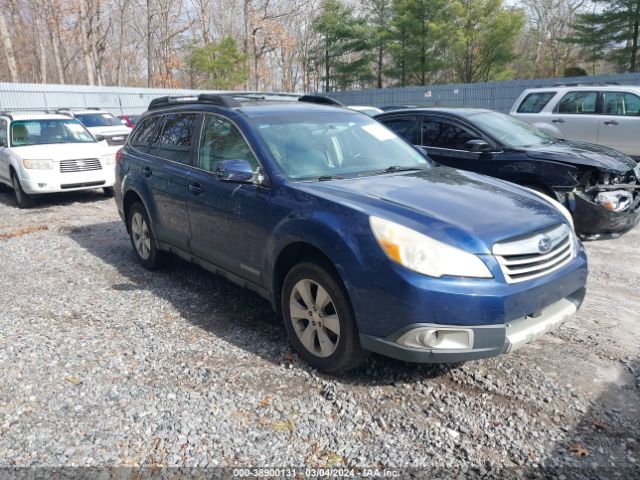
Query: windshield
pixel 43 132
pixel 335 144
pixel 510 131
pixel 98 120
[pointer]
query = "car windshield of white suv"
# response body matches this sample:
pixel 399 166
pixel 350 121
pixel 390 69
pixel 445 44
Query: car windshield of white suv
pixel 101 119
pixel 326 146
pixel 44 132
pixel 509 131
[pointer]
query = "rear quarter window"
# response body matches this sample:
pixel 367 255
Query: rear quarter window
pixel 535 102
pixel 143 135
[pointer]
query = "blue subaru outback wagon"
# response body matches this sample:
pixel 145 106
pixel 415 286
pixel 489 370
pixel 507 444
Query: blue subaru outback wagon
pixel 352 234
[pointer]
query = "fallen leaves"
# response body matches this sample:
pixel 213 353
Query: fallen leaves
pixel 579 450
pixel 284 426
pixel 74 379
pixel 23 231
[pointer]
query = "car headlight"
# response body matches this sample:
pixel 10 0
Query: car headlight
pixel 37 164
pixel 425 255
pixel 109 159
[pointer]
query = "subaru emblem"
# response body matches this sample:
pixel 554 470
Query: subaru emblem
pixel 545 244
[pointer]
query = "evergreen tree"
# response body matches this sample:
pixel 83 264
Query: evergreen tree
pixel 221 64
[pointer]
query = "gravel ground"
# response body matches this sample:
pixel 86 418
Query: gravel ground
pixel 103 363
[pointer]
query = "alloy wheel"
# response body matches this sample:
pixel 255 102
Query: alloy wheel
pixel 140 235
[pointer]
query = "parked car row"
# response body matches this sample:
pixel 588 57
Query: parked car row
pixel 43 152
pixel 357 229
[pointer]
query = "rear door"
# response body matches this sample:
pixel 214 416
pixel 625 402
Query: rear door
pixel 165 170
pixel 619 124
pixel 227 219
pixel 576 116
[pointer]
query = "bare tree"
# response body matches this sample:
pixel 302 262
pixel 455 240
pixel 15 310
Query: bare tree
pixel 8 47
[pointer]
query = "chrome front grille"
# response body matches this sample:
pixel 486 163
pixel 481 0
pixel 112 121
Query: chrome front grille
pixel 80 165
pixel 117 139
pixel 535 255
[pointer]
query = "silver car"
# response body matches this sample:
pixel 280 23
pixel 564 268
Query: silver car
pixel 603 114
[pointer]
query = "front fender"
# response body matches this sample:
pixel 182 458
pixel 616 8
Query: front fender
pixel 337 237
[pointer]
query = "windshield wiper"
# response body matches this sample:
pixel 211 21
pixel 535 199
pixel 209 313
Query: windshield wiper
pixel 393 169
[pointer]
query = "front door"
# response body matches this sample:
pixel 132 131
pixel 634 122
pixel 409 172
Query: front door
pixel 576 116
pixel 227 219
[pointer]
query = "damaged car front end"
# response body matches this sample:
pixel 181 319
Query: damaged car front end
pixel 607 204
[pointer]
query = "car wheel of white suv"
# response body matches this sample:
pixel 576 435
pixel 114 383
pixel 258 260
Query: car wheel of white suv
pixel 24 200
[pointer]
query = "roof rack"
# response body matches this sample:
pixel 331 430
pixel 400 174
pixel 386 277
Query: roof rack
pixel 210 99
pixel 579 84
pixel 320 99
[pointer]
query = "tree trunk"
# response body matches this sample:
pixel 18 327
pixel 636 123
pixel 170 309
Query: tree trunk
pixel 86 49
pixel 8 48
pixel 634 40
pixel 149 36
pixel 380 55
pixel 326 69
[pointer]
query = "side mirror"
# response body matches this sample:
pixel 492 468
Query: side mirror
pixel 100 138
pixel 239 171
pixel 478 145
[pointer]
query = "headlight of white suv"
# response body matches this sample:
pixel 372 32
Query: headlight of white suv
pixel 37 164
pixel 425 255
pixel 109 159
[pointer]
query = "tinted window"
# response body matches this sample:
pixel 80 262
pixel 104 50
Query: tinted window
pixel 3 133
pixel 535 102
pixel 619 103
pixel 221 140
pixel 442 134
pixel 406 127
pixel 578 102
pixel 175 141
pixel 144 134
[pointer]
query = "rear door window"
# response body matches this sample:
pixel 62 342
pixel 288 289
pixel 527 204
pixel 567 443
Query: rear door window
pixel 145 132
pixel 176 139
pixel 535 102
pixel 405 126
pixel 620 103
pixel 578 103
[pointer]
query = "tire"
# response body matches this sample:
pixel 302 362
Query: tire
pixel 330 346
pixel 108 192
pixel 24 200
pixel 142 238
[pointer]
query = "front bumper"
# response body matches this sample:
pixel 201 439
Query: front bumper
pixel 594 221
pixel 36 182
pixel 483 340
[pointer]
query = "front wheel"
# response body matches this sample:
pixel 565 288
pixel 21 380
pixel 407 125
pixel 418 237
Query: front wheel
pixel 318 318
pixel 142 239
pixel 24 200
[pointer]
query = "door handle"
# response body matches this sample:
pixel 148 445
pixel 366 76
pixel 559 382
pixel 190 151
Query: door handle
pixel 557 120
pixel 146 171
pixel 195 188
pixel 611 122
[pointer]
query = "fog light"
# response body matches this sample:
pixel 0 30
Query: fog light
pixel 438 338
pixel 42 185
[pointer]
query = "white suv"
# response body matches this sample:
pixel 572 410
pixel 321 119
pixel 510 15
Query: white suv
pixel 102 124
pixel 604 114
pixel 45 153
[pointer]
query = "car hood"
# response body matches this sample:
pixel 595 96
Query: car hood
pixel 461 208
pixel 110 131
pixel 580 153
pixel 62 151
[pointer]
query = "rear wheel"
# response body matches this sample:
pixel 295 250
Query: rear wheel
pixel 318 318
pixel 24 200
pixel 142 238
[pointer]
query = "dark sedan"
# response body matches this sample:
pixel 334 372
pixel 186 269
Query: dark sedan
pixel 599 185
